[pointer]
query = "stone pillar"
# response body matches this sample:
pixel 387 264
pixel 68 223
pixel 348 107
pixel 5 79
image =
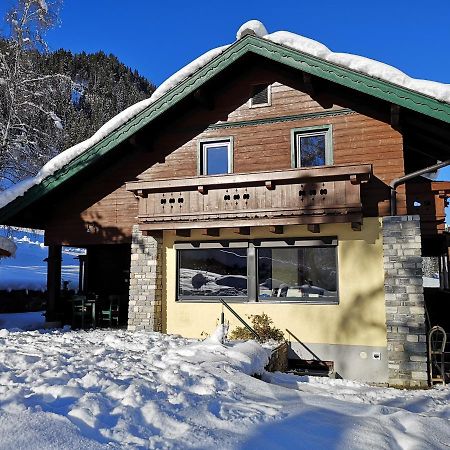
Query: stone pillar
pixel 405 308
pixel 145 306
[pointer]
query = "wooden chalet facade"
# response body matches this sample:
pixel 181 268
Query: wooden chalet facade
pixel 263 179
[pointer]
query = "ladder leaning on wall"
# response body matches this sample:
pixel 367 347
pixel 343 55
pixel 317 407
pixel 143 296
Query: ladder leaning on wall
pixel 438 355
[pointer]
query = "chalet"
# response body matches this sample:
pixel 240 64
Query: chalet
pixel 277 176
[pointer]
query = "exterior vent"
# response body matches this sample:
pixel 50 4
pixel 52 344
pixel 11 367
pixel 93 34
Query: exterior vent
pixel 260 95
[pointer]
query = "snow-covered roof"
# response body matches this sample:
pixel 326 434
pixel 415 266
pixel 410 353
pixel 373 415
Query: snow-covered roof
pixel 359 64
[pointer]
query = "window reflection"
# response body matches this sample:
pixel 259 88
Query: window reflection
pixel 312 150
pixel 217 160
pixel 297 272
pixel 213 272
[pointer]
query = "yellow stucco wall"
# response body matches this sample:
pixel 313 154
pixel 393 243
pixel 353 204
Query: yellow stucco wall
pixel 358 319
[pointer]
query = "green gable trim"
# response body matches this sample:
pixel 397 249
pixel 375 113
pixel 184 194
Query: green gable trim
pixel 249 44
pixel 289 118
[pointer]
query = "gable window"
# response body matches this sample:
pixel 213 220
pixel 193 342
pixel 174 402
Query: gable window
pixel 260 95
pixel 312 146
pixel 216 157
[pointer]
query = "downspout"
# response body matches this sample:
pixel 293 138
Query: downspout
pixel 398 181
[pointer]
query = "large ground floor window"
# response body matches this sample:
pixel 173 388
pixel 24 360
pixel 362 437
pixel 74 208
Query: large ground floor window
pixel 294 270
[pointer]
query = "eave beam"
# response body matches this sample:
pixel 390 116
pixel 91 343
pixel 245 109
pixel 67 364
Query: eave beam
pixel 204 99
pixel 395 116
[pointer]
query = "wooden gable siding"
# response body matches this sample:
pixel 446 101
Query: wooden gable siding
pixel 261 145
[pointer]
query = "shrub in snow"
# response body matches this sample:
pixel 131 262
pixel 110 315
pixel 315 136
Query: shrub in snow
pixel 262 324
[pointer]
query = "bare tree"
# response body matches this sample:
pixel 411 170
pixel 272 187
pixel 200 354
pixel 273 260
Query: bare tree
pixel 30 129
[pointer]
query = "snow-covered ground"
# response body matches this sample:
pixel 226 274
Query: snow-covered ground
pixel 118 390
pixel 28 269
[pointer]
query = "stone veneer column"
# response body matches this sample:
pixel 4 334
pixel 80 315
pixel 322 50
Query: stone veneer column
pixel 405 309
pixel 145 306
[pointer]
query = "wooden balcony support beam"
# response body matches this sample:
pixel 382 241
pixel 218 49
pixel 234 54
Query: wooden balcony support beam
pixel 356 226
pixel 210 231
pixel 184 232
pixel 314 228
pixel 244 231
pixel 276 229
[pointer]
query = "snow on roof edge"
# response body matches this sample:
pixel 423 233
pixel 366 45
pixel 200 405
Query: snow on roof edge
pixel 360 64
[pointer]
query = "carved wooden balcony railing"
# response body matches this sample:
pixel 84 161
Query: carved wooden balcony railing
pixel 295 196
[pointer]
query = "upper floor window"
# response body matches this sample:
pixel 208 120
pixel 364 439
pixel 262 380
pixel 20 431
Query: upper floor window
pixel 312 146
pixel 260 95
pixel 216 157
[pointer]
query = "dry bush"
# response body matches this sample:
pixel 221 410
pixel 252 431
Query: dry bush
pixel 262 324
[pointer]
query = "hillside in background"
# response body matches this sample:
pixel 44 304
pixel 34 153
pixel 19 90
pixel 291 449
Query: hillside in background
pixel 50 101
pixel 101 88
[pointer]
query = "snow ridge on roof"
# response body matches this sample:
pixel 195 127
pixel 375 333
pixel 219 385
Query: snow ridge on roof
pixel 370 67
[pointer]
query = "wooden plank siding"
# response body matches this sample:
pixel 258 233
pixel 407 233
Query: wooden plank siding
pixel 361 135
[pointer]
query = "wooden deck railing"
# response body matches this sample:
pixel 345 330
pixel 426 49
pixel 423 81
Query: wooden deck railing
pixel 295 196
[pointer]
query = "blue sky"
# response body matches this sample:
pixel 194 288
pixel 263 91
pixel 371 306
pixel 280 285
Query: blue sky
pixel 158 37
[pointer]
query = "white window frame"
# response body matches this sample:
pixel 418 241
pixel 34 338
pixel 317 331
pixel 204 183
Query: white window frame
pixel 321 130
pixel 203 154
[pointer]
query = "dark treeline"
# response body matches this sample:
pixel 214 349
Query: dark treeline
pixel 102 87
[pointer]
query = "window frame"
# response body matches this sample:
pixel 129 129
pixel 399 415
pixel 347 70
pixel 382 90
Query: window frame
pixel 269 95
pixel 202 158
pixel 252 269
pixel 296 133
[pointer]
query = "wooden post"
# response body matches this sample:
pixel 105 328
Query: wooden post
pixel 53 281
pixel 82 275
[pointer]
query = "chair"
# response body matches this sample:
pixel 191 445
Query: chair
pixel 109 313
pixel 80 312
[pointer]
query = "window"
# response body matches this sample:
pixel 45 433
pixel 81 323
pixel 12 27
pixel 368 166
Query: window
pixel 215 157
pixel 212 272
pixel 260 95
pixel 312 147
pixel 262 271
pixel 297 272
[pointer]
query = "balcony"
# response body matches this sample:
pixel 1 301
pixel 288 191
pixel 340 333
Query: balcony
pixel 311 196
pixel 428 199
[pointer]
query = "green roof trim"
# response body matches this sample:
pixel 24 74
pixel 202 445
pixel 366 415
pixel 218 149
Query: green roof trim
pixel 249 44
